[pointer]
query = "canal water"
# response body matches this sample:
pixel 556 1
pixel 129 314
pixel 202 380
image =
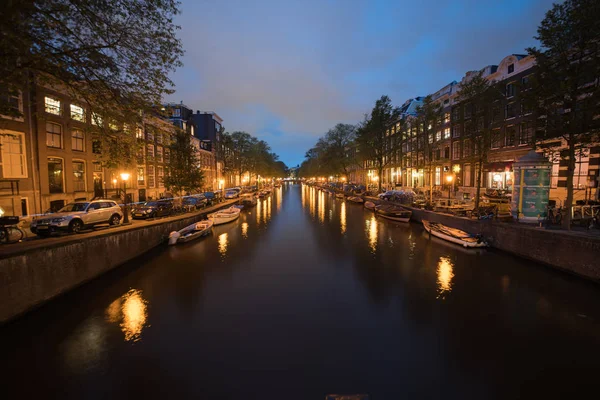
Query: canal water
pixel 307 295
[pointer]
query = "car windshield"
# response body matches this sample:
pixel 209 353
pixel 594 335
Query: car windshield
pixel 74 207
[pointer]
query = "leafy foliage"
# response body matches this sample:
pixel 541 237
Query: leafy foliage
pixel 183 171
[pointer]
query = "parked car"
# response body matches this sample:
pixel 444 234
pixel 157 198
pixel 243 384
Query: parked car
pixel 211 198
pixel 194 202
pixel 153 209
pixel 78 215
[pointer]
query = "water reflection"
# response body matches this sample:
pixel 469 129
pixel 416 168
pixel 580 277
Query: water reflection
pixel 245 230
pixel 223 243
pixel 343 218
pixel 279 192
pixel 130 311
pixel 372 233
pixel 259 206
pixel 321 207
pixel 444 276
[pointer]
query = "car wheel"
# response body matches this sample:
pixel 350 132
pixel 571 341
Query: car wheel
pixel 114 220
pixel 152 215
pixel 75 226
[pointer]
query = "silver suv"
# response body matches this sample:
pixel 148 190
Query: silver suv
pixel 75 216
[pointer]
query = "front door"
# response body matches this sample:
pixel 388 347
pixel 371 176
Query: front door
pixel 142 195
pixel 94 214
pixel 98 190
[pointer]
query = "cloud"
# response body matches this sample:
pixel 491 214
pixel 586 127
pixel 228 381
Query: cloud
pixel 287 71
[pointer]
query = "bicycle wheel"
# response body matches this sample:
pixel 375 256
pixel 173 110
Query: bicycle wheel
pixel 4 235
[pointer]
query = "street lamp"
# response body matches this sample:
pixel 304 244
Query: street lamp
pixel 125 178
pixel 449 178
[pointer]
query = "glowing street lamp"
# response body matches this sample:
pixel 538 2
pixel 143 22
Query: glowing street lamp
pixel 449 178
pixel 125 178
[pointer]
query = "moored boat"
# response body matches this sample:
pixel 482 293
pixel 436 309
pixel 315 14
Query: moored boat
pixel 225 216
pixel 190 232
pixel 355 199
pixel 369 205
pixel 394 213
pixel 248 200
pixel 339 195
pixel 453 235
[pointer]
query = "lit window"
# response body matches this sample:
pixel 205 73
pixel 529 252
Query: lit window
pixel 159 153
pixel 140 176
pixel 96 119
pixel 447 133
pixel 438 136
pixel 12 147
pixel 438 174
pixel 150 175
pixel 160 173
pixel 446 117
pixel 139 133
pixel 77 113
pixel 456 150
pixel 53 135
pixel 51 105
pixel 77 140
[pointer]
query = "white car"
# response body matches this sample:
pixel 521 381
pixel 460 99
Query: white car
pixel 75 216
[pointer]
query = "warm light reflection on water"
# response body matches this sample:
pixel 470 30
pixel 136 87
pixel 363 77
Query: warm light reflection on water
pixel 259 206
pixel 279 192
pixel 372 233
pixel 245 230
pixel 321 207
pixel 268 209
pixel 343 218
pixel 444 276
pixel 130 311
pixel 223 243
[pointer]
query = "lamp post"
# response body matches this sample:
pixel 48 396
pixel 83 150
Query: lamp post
pixel 449 178
pixel 124 178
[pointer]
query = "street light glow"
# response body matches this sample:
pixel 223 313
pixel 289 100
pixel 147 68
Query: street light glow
pixel 124 176
pixel 449 178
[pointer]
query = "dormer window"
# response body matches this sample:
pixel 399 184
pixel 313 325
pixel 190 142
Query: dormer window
pixel 511 68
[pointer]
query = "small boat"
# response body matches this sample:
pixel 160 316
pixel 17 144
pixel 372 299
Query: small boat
pixel 225 216
pixel 190 232
pixel 248 200
pixel 240 206
pixel 394 213
pixel 356 199
pixel 339 195
pixel 453 235
pixel 369 205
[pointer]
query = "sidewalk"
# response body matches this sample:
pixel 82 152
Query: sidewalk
pixel 33 242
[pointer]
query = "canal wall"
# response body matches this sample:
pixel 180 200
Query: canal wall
pixel 36 274
pixel 572 252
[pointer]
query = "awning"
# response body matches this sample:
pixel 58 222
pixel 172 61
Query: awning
pixel 498 166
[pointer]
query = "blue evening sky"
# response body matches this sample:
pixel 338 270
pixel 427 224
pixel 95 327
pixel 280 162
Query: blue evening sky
pixel 286 71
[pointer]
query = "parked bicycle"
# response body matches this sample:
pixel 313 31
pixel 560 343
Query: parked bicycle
pixel 9 230
pixel 554 215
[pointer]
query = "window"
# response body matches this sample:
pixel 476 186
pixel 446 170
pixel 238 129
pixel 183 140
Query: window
pixel 51 105
pixel 150 148
pixel 446 117
pixel 510 90
pixel 466 148
pixel 447 133
pixel 96 119
pixel 160 173
pixel 580 175
pixel 140 176
pixel 55 175
pixel 511 68
pixel 467 111
pixel 438 174
pixel 77 113
pixel 12 146
pixel 456 150
pixel 496 140
pixel 177 112
pixel 53 135
pixel 11 100
pixel 159 153
pixel 526 83
pixel 96 146
pixel 447 152
pixel 555 160
pixel 139 133
pixel 525 108
pixel 150 177
pixel 510 111
pixel 525 133
pixel 77 140
pixel 167 156
pixel 149 136
pixel 455 114
pixel 97 167
pixel 496 112
pixel 467 175
pixel 438 136
pixel 456 131
pixel 78 176
pixel 510 135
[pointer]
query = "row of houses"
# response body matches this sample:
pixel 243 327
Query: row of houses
pixel 48 157
pixel 452 169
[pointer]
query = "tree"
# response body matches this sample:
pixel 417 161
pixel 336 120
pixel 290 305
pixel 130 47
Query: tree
pixel 183 170
pixel 428 118
pixel 373 137
pixel 566 80
pixel 111 56
pixel 480 99
pixel 336 144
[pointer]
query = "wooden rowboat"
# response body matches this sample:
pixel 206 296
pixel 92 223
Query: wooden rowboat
pixel 190 232
pixel 394 213
pixel 369 205
pixel 453 235
pixel 356 199
pixel 225 216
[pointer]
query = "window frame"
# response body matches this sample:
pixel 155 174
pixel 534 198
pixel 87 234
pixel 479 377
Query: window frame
pixel 82 162
pixel 75 139
pixel 60 135
pixel 52 109
pixel 62 162
pixel 4 146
